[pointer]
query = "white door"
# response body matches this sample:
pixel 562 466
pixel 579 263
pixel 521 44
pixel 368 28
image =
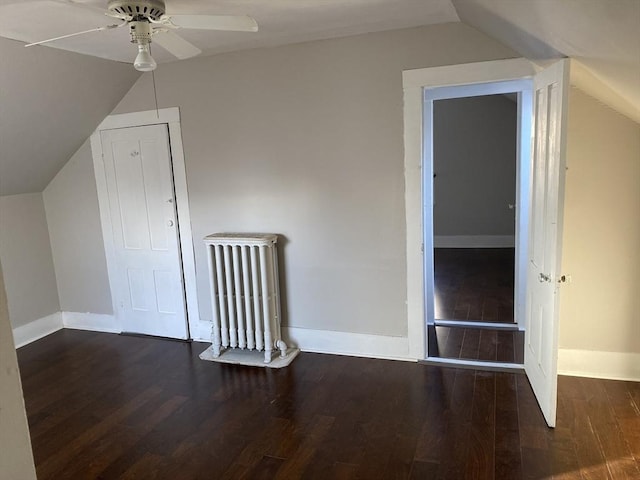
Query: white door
pixel 148 289
pixel 547 194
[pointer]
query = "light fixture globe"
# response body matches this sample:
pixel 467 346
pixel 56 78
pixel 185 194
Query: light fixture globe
pixel 144 62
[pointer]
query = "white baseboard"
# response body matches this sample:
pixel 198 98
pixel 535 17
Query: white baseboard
pixel 351 344
pixel 95 322
pixel 580 363
pixel 326 341
pixel 32 331
pixel 474 241
pixel 200 331
pixel 596 364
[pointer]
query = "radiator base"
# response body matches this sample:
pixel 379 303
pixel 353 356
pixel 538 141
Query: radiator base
pixel 250 357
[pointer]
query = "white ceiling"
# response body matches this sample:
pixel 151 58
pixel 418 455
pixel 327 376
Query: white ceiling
pixel 280 22
pixel 49 108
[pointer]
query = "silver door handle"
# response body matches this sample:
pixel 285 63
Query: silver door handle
pixel 544 278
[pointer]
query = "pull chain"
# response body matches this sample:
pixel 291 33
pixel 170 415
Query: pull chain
pixel 155 92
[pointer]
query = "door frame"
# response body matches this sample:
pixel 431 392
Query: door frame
pixel 171 118
pixel 418 163
pixel 523 89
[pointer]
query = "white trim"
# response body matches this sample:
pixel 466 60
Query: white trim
pixel 201 332
pixel 413 207
pixel 335 343
pixel 481 325
pixel 523 87
pixel 184 224
pixel 523 205
pixel 37 329
pixel 170 117
pixel 136 119
pixel 473 364
pixel 468 73
pixel 597 364
pixel 414 84
pixel 351 344
pixel 95 322
pixel 474 241
pixel 470 90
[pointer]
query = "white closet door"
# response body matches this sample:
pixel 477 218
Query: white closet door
pixel 149 285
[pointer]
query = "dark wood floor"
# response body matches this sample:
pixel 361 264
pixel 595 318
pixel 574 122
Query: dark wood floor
pixel 476 344
pixel 474 284
pixel 104 406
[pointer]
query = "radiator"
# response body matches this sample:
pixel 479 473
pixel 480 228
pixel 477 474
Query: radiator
pixel 245 297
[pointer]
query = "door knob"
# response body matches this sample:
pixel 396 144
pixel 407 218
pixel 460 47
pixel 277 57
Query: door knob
pixel 170 223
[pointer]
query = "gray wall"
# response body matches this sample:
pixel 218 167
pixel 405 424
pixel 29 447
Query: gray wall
pixel 475 165
pixel 25 253
pixel 306 141
pixel 73 216
pixel 16 458
pixel 601 244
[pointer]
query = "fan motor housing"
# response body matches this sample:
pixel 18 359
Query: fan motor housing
pixel 138 9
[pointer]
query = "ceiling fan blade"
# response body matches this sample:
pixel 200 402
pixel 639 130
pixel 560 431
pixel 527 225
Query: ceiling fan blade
pixel 175 45
pixel 98 29
pixel 232 23
pixel 30 21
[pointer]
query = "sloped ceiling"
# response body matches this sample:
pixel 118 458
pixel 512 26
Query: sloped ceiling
pixel 51 100
pixel 602 35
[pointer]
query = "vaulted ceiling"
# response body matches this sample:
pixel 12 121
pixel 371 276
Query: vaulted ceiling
pixel 51 99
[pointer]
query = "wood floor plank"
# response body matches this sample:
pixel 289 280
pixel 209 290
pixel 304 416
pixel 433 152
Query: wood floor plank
pixel 295 465
pixel 480 463
pixel 455 448
pixel 423 470
pixel 431 446
pixel 508 460
pixel 619 460
pixel 488 347
pixel 476 344
pixel 474 284
pixel 470 344
pixel 505 350
pixel 626 414
pixel 55 463
pixel 453 347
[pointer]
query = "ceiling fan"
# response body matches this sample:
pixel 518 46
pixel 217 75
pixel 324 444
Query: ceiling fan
pixel 149 21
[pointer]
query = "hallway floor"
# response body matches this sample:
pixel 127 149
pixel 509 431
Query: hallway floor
pixel 475 285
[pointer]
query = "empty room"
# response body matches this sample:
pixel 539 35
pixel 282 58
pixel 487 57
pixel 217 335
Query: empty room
pixel 372 239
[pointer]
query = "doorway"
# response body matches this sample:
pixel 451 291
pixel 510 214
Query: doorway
pixel 542 110
pixel 144 210
pixel 474 206
pixel 479 217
